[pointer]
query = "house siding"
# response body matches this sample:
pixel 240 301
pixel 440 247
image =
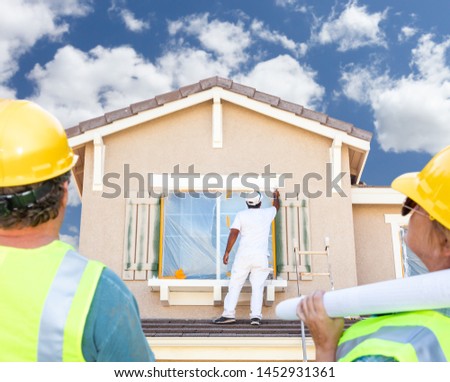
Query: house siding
pixel 373 242
pixel 250 142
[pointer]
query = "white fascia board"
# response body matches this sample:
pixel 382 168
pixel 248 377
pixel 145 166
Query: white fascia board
pixel 376 195
pixel 292 119
pixel 142 117
pixel 220 93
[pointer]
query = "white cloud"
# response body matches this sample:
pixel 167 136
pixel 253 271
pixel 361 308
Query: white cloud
pixel 291 4
pixel 259 30
pixel 227 40
pixel 406 33
pixel 74 197
pixel 73 229
pixel 284 77
pixel 412 112
pixel 73 240
pixel 108 79
pixel 188 65
pixel 67 7
pixel 76 85
pixel 354 28
pixel 359 83
pixel 23 23
pixel 285 3
pixel 132 23
pixel 7 92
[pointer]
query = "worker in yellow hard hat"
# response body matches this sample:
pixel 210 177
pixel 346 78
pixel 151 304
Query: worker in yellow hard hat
pixel 410 336
pixel 55 304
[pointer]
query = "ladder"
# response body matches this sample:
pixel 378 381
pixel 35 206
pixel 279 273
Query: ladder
pixel 311 273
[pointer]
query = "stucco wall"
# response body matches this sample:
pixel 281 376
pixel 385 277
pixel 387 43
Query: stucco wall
pixel 250 142
pixel 373 242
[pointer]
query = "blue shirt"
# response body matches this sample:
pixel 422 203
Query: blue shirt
pixel 113 331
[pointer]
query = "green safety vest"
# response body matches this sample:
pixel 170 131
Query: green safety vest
pixel 45 296
pixel 422 336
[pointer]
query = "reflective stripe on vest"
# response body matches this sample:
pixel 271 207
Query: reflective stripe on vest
pixel 408 337
pixel 422 339
pixel 61 294
pixel 46 295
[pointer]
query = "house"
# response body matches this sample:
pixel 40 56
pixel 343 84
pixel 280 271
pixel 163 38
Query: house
pixel 160 181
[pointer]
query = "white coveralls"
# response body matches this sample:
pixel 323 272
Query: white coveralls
pixel 252 257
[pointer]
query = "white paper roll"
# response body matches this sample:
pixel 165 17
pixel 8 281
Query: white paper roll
pixel 428 291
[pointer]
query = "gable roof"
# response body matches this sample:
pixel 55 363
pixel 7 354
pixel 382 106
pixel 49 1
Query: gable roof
pixel 221 88
pixel 210 83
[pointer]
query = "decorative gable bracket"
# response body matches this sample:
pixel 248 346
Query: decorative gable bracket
pixel 217 125
pixel 99 163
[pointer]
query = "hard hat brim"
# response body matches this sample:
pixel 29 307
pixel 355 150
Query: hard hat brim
pixel 407 184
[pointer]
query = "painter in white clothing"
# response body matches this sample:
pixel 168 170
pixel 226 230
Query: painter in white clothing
pixel 252 255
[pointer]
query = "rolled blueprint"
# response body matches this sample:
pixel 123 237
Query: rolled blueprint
pixel 428 291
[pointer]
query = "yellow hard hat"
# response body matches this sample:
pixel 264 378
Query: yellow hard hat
pixel 430 188
pixel 33 144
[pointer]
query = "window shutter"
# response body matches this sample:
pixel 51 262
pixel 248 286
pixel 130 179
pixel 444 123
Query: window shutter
pixel 141 238
pixel 293 228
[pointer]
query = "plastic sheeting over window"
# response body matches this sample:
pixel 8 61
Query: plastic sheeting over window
pixel 191 228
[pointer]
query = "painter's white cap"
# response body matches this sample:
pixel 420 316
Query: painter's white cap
pixel 253 200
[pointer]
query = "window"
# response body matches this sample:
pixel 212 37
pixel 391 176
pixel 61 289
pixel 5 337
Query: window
pixel 403 257
pixel 158 233
pixel 195 232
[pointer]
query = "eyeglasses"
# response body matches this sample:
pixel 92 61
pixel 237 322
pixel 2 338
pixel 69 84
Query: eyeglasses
pixel 410 205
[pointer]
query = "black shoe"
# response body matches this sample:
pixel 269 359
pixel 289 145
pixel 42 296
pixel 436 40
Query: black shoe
pixel 224 320
pixel 255 321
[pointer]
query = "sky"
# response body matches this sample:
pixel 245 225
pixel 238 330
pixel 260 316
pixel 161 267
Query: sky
pixel 383 66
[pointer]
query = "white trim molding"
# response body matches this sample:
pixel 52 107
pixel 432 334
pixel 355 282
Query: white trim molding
pixel 336 160
pixel 396 221
pixel 218 93
pixel 376 195
pixel 206 292
pixel 99 163
pixel 231 348
pixel 217 124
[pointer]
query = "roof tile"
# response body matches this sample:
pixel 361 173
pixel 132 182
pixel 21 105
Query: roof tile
pixel 225 83
pixel 362 134
pixel 168 97
pixel 92 123
pixel 208 83
pixel 315 115
pixel 190 89
pixel 118 114
pixel 199 328
pixel 291 107
pixel 242 89
pixel 216 81
pixel 267 98
pixel 338 124
pixel 143 105
pixel 73 131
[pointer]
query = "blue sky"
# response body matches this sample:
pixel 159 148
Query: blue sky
pixel 383 66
